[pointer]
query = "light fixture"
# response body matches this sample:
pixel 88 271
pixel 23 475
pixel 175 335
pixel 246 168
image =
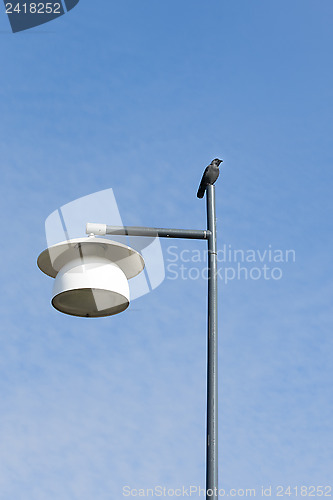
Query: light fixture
pixel 91 280
pixel 91 275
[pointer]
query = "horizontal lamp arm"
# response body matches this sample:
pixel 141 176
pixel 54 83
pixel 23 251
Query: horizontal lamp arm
pixel 103 229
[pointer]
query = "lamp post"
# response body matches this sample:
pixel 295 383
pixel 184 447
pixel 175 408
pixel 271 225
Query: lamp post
pixel 91 280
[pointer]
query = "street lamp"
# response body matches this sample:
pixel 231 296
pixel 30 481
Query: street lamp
pixel 91 280
pixel 90 275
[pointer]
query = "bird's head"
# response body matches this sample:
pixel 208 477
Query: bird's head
pixel 216 162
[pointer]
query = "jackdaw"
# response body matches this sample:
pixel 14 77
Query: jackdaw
pixel 210 175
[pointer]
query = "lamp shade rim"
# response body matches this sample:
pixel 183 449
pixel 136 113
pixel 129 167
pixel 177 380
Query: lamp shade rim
pixel 52 259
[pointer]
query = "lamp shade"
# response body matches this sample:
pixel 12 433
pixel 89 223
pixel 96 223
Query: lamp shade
pixel 91 275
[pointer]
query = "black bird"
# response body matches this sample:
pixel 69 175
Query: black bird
pixel 210 175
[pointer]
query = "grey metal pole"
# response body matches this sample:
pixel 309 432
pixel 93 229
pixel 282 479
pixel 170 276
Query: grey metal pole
pixel 212 360
pixel 157 231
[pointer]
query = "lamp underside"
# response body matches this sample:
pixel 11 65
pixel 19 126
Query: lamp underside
pixel 90 302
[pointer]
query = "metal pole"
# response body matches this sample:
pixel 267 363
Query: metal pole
pixel 212 361
pixel 212 423
pixel 161 232
pixel 102 229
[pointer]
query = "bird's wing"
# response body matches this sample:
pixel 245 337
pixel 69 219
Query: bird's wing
pixel 203 183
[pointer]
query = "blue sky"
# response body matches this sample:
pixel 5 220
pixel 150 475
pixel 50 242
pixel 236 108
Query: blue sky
pixel 139 97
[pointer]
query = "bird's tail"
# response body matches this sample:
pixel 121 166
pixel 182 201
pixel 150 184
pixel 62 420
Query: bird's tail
pixel 201 191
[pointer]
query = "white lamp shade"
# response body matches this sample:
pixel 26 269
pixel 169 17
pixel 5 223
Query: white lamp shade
pixel 91 275
pixel 91 287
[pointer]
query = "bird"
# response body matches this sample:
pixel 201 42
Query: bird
pixel 210 175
